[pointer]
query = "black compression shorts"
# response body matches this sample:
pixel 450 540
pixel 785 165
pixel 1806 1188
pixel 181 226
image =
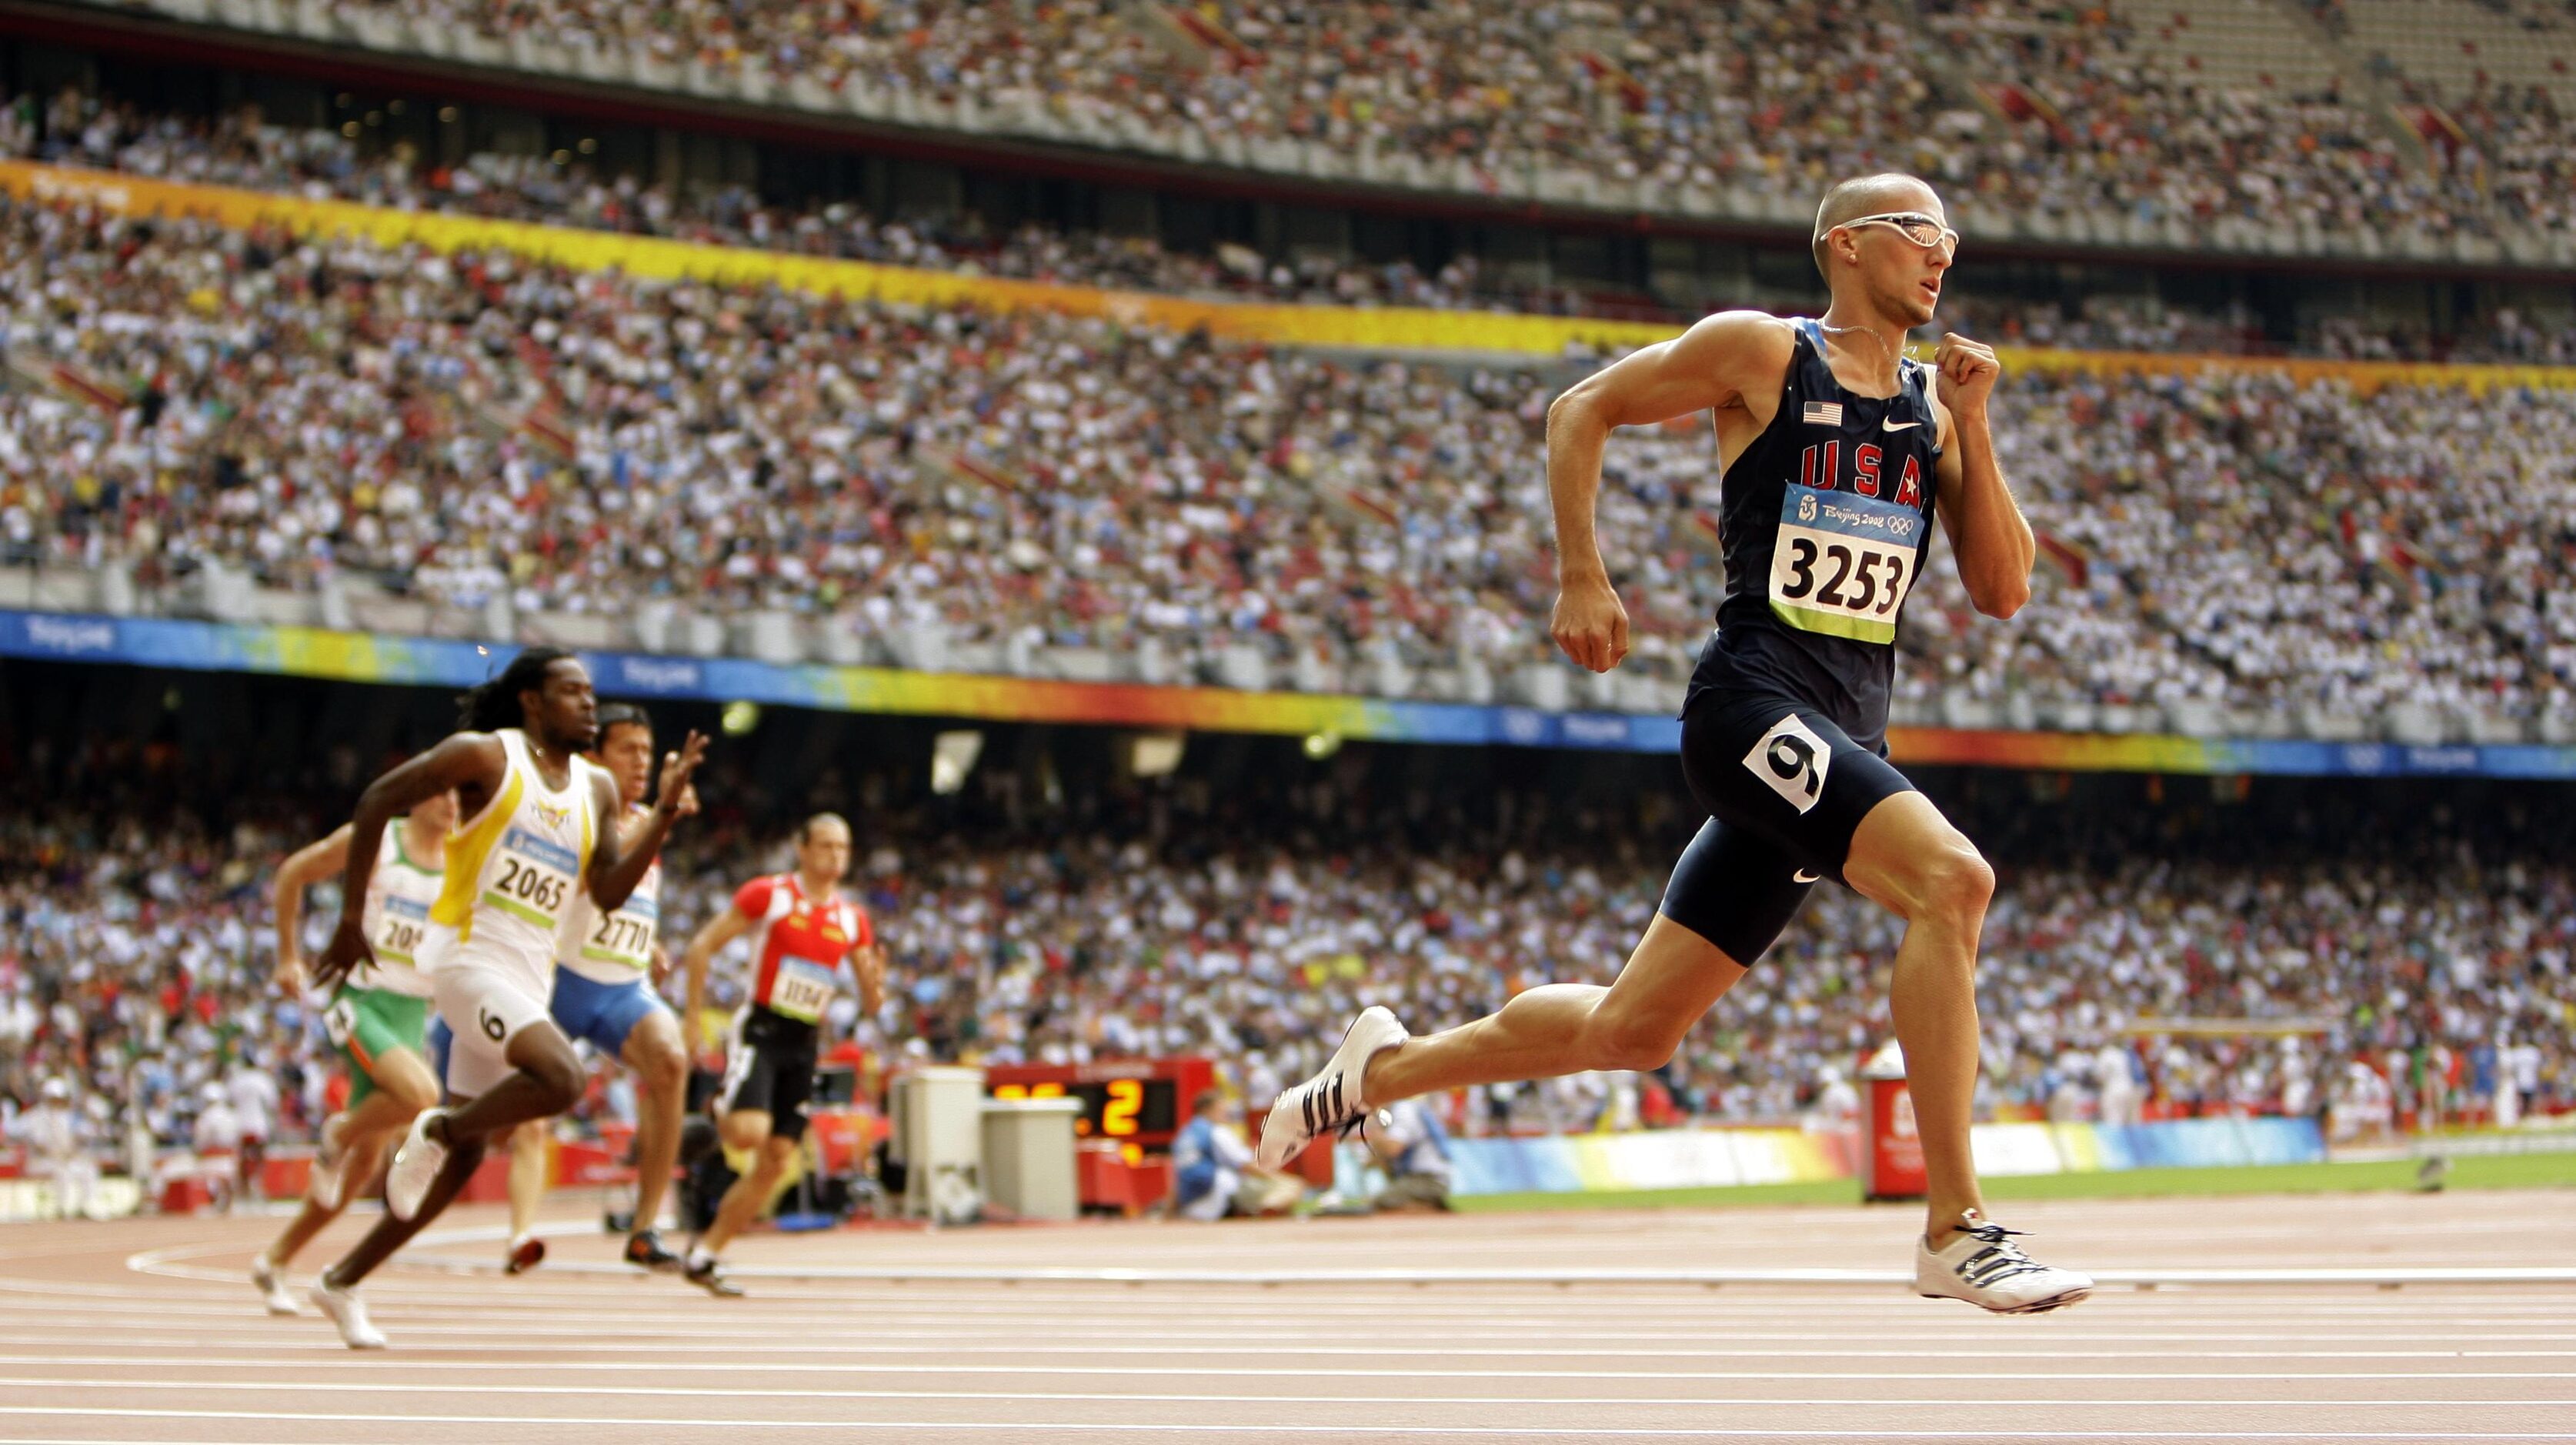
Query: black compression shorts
pixel 1785 788
pixel 769 1065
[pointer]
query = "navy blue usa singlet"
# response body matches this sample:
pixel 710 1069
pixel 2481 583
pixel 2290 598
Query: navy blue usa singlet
pixel 1823 522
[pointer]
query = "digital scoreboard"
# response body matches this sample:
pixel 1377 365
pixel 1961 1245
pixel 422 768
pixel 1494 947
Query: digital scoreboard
pixel 1143 1102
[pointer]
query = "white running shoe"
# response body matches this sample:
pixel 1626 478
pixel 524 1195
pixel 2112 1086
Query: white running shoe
pixel 416 1165
pixel 1329 1102
pixel 349 1314
pixel 330 1161
pixel 270 1281
pixel 525 1253
pixel 1983 1266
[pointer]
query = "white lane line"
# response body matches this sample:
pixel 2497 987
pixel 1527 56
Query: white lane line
pixel 759 1336
pixel 321 1350
pixel 952 1274
pixel 1593 1432
pixel 1408 1300
pixel 577 1277
pixel 1897 1311
pixel 164 1260
pixel 624 1391
pixel 406 1361
pixel 764 1318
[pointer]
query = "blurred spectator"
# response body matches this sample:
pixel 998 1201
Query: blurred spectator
pixel 57 1136
pixel 1413 1148
pixel 1214 1175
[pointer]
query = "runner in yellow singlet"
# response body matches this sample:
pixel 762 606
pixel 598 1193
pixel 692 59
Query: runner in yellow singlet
pixel 530 838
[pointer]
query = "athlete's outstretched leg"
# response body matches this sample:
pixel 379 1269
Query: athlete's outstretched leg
pixel 393 1232
pixel 357 1165
pixel 747 1129
pixel 1730 896
pixel 661 1068
pixel 1567 1028
pixel 527 1145
pixel 335 1294
pixel 400 1087
pixel 1907 858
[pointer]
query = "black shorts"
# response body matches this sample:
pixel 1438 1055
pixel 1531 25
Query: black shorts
pixel 1785 788
pixel 769 1065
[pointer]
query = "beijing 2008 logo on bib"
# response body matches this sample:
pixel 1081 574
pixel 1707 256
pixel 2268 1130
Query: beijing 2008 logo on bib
pixel 1807 508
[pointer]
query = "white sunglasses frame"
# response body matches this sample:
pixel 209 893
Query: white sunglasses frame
pixel 1893 221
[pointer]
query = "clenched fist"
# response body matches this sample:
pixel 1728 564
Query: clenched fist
pixel 1590 624
pixel 1967 372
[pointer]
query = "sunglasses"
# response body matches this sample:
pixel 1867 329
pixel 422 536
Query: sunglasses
pixel 1924 231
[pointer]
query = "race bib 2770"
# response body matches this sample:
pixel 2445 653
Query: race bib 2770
pixel 1843 563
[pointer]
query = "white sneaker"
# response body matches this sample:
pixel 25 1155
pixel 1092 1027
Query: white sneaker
pixel 525 1253
pixel 271 1284
pixel 330 1160
pixel 1983 1266
pixel 416 1165
pixel 349 1314
pixel 1329 1102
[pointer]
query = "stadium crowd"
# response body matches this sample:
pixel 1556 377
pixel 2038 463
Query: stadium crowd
pixel 2023 105
pixel 472 427
pixel 240 148
pixel 136 953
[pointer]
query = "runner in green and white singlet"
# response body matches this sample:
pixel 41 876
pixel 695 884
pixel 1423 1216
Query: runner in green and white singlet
pixel 377 1018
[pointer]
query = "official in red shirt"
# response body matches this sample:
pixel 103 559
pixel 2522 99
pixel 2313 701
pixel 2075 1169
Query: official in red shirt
pixel 802 931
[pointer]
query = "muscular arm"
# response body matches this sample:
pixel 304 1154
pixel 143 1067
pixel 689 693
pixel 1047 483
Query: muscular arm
pixel 720 930
pixel 471 763
pixel 305 867
pixel 620 859
pixel 1990 538
pixel 1723 364
pixel 867 967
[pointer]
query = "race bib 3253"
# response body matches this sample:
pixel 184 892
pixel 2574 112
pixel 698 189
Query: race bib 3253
pixel 1843 563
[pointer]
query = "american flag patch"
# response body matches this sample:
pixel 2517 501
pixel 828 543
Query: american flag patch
pixel 1824 413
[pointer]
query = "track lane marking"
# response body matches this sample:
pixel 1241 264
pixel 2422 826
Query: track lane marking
pixel 378 1387
pixel 1414 1431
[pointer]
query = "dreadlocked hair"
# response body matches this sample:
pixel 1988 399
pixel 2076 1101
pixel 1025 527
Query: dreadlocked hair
pixel 493 704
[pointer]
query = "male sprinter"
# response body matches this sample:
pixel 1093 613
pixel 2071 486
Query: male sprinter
pixel 1836 453
pixel 375 1020
pixel 605 971
pixel 803 930
pixel 531 838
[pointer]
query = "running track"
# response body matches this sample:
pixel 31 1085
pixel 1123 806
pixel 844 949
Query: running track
pixel 1433 1329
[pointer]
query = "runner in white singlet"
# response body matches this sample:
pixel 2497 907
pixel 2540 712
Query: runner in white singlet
pixel 530 840
pixel 376 1020
pixel 607 968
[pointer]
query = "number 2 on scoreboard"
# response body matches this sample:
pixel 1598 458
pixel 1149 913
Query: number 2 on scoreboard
pixel 1118 1114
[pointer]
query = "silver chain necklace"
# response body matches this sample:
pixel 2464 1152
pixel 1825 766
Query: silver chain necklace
pixel 1872 335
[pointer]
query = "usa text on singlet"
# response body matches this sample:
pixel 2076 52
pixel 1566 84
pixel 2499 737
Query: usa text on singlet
pixel 1824 521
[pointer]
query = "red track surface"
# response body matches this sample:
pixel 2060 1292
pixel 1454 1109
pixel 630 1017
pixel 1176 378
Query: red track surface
pixel 173 1347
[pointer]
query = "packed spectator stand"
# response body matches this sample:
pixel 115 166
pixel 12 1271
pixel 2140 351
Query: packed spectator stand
pixel 605 459
pixel 2241 125
pixel 241 147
